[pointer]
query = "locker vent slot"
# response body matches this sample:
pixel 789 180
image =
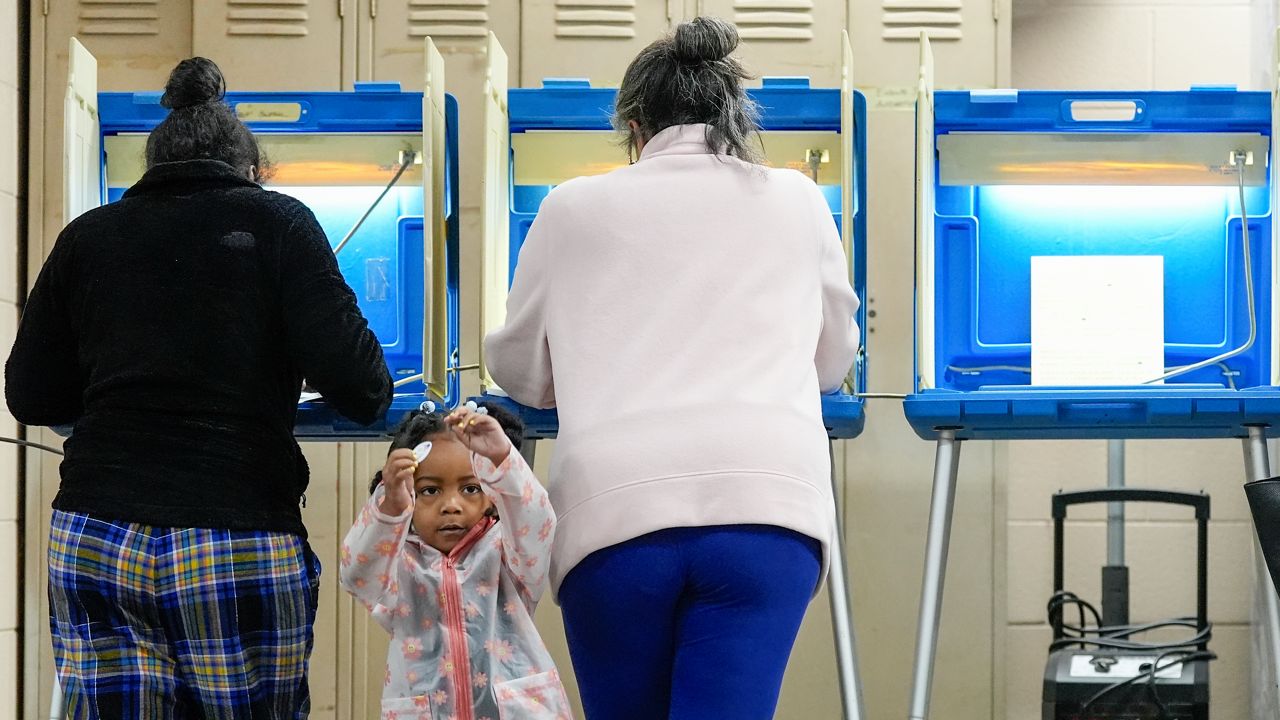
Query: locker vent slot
pixel 267 18
pixel 906 19
pixel 119 17
pixel 446 20
pixel 786 20
pixel 596 19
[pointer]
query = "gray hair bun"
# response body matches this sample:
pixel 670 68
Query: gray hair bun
pixel 704 39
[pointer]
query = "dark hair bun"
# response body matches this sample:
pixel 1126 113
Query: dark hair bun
pixel 195 81
pixel 704 39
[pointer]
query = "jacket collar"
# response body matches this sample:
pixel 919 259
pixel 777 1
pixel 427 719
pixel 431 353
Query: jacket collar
pixel 187 176
pixel 472 537
pixel 464 545
pixel 678 140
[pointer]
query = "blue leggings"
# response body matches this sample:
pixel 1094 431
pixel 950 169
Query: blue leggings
pixel 688 623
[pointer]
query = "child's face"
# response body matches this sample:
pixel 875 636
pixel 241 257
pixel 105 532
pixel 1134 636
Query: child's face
pixel 450 500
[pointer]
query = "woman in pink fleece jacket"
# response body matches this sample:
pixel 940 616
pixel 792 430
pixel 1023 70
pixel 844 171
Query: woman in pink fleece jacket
pixel 684 315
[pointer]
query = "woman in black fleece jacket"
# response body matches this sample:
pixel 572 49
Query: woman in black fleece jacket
pixel 173 330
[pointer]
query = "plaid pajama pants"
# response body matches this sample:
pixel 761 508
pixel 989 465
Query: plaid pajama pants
pixel 180 623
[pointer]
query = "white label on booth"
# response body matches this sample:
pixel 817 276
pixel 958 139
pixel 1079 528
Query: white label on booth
pixel 1097 320
pixel 1121 667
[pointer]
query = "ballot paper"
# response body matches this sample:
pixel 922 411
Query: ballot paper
pixel 1097 320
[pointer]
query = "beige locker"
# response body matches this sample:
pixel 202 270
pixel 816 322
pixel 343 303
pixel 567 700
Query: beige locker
pixel 593 39
pixel 277 44
pixel 969 37
pixel 391 38
pixel 784 37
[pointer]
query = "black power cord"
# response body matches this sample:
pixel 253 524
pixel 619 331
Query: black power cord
pixel 1149 675
pixel 1119 637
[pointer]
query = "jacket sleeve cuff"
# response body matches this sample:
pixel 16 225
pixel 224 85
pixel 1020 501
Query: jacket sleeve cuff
pixel 490 473
pixel 375 509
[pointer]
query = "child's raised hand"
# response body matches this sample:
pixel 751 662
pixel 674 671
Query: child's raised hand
pixel 480 433
pixel 397 478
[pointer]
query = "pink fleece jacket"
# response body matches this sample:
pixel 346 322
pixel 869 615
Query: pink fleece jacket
pixel 463 643
pixel 684 315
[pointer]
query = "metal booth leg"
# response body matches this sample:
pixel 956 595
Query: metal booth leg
pixel 946 467
pixel 1257 463
pixel 841 616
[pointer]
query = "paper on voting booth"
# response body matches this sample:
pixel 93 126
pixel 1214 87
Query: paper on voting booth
pixel 1097 320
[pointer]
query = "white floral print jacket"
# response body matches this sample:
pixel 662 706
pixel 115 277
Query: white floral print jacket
pixel 463 643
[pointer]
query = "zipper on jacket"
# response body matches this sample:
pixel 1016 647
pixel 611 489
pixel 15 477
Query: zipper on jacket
pixel 461 675
pixel 457 628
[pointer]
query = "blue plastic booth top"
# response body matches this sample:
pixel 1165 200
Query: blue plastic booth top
pixel 786 104
pixel 986 235
pixel 384 261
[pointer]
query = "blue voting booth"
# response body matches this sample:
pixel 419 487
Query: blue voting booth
pixel 1009 180
pixel 379 168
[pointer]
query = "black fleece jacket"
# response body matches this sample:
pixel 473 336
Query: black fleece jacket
pixel 173 329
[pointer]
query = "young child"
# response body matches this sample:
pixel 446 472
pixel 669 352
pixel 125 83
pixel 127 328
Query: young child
pixel 450 555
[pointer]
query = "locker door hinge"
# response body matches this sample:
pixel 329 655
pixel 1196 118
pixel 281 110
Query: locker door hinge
pixel 342 8
pixel 45 9
pixel 373 8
